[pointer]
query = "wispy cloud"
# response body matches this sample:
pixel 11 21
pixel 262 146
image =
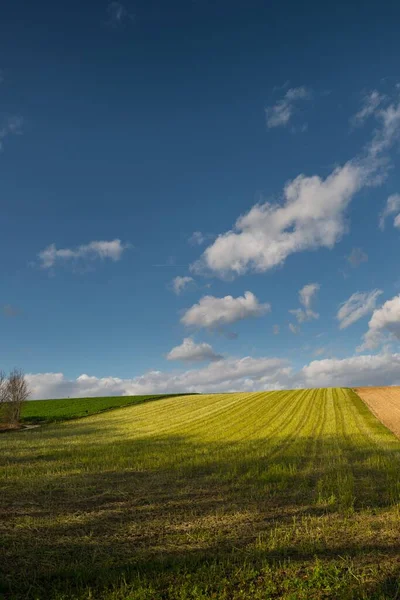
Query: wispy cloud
pixel 371 101
pixel 306 296
pixel 198 238
pixel 96 250
pixel 11 126
pixel 392 207
pixel 119 14
pixel 280 113
pixel 357 306
pixel 276 329
pixel 389 130
pixel 356 257
pixel 179 284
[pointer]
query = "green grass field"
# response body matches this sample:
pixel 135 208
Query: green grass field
pixel 50 411
pixel 292 495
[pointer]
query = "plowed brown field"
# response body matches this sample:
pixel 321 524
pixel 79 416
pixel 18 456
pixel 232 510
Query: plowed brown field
pixel 384 402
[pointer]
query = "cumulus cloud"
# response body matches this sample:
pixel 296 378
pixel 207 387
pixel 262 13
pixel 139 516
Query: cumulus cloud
pixel 306 295
pixel 312 213
pixel 189 351
pixel 371 101
pixel 385 319
pixel 179 284
pixel 311 216
pixel 392 207
pixel 280 114
pixel 357 306
pixel 381 369
pixel 226 375
pixel 233 374
pixel 51 256
pixel 356 257
pixel 213 313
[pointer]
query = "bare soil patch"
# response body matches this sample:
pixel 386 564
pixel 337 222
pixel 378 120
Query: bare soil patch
pixel 384 402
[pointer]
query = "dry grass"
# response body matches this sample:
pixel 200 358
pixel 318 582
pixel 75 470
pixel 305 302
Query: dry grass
pixel 384 402
pixel 289 495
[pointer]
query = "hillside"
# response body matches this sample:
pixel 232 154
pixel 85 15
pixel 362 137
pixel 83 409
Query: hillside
pixel 49 411
pixel 289 495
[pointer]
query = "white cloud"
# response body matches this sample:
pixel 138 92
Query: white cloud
pixel 294 328
pixel 388 133
pixel 212 312
pixel 371 101
pixel 281 113
pixel 392 207
pixel 225 375
pixel 189 351
pixel 51 256
pixel 312 214
pixel 240 374
pixel 396 221
pixel 276 329
pixel 197 238
pixel 12 126
pixel 179 284
pixel 381 369
pixel 357 306
pixel 306 295
pixel 384 320
pixel 356 257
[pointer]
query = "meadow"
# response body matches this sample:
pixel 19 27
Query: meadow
pixel 50 411
pixel 292 495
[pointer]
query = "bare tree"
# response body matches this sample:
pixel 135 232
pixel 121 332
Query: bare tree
pixel 3 396
pixel 14 391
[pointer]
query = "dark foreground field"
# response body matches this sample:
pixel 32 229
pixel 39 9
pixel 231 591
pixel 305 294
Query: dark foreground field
pixel 289 495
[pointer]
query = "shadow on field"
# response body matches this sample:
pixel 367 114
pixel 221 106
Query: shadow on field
pixel 152 509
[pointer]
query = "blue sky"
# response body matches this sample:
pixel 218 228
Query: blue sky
pixel 126 127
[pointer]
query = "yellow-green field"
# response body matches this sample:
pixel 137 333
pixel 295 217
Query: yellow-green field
pixel 289 495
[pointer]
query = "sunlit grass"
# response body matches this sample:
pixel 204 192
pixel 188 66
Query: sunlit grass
pixel 49 411
pixel 266 495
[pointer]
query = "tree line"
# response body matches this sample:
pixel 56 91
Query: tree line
pixel 14 391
